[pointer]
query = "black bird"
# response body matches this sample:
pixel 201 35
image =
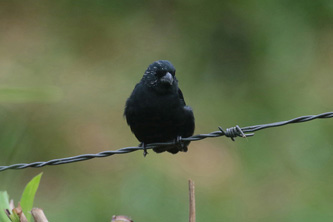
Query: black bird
pixel 156 110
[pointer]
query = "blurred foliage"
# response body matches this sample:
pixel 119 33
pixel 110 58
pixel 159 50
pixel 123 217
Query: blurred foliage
pixel 28 196
pixel 67 67
pixel 4 204
pixel 25 205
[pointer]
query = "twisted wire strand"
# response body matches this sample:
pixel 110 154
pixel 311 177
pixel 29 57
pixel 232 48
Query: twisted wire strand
pixel 230 132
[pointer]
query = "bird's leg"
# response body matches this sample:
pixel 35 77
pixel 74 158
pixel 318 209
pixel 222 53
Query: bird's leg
pixel 179 143
pixel 144 149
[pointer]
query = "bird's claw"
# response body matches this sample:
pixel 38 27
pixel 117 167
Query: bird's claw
pixel 179 143
pixel 143 145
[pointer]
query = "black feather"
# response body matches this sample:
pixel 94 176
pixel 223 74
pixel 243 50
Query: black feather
pixel 156 110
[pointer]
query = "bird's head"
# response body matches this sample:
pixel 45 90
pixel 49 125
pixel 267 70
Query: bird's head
pixel 160 76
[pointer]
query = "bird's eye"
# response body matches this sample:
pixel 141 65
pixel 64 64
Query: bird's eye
pixel 160 73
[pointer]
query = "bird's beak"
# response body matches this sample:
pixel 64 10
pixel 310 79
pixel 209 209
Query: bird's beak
pixel 167 78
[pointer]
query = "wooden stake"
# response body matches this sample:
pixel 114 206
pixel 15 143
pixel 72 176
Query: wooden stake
pixel 121 218
pixel 38 215
pixel 192 200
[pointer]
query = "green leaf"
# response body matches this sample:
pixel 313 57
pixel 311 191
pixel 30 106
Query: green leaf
pixel 14 217
pixel 28 196
pixel 4 204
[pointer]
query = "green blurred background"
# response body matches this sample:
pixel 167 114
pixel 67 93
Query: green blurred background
pixel 67 68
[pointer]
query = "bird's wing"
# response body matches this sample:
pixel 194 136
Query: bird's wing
pixel 181 97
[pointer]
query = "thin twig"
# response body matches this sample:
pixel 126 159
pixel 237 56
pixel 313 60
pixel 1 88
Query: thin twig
pixel 192 200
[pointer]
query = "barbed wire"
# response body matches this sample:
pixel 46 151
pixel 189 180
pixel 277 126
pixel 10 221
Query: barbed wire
pixel 230 132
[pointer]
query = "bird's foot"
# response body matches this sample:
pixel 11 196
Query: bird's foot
pixel 143 145
pixel 179 143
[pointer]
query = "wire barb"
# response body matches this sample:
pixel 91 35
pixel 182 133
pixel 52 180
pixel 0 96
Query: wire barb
pixel 230 132
pixel 235 132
